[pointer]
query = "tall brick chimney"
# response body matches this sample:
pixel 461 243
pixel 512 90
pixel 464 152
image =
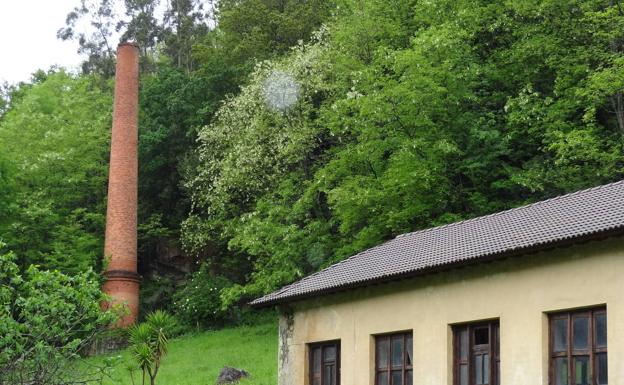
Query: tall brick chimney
pixel 120 245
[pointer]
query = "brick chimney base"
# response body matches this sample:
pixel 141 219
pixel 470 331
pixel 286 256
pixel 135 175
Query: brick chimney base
pixel 124 286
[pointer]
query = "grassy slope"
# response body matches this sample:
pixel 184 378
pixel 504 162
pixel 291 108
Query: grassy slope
pixel 197 359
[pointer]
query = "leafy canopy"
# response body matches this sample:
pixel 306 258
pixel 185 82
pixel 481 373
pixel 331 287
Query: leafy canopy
pixel 55 142
pixel 411 114
pixel 47 319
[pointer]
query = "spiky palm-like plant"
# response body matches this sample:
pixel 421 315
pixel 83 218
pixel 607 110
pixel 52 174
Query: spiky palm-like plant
pixel 148 343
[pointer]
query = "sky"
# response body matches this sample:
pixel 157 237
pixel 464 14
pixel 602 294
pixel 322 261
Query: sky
pixel 28 38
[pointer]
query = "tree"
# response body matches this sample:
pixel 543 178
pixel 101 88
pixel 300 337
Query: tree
pixel 254 30
pixel 149 343
pixel 142 27
pixel 97 44
pixel 184 25
pixel 47 320
pixel 7 192
pixel 5 98
pixel 55 139
pixel 173 104
pixel 247 150
pixel 411 114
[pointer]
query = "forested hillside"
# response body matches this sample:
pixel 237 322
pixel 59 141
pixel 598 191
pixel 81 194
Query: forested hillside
pixel 279 136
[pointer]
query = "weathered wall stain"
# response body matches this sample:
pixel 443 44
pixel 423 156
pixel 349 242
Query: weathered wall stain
pixel 286 332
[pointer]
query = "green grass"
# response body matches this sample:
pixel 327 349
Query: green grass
pixel 196 359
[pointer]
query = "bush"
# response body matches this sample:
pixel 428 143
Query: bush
pixel 47 319
pixel 198 302
pixel 149 343
pixel 156 293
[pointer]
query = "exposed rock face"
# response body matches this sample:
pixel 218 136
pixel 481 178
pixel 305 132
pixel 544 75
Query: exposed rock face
pixel 231 375
pixel 166 258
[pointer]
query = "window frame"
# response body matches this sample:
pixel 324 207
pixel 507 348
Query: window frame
pixel 405 368
pixel 492 349
pixel 591 351
pixel 322 346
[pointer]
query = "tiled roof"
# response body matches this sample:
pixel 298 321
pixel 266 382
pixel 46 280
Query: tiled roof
pixel 567 219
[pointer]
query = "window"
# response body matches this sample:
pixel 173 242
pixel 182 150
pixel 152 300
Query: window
pixel 325 363
pixel 476 354
pixel 393 359
pixel 578 348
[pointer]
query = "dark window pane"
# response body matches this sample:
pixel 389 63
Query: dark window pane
pixel 329 375
pixel 561 371
pixel 560 332
pixel 498 372
pixel 601 368
pixel 383 350
pixel 475 354
pixel 580 328
pixel 324 365
pixel 397 377
pixel 409 347
pixel 486 368
pixel 397 351
pixel 482 336
pixel 601 330
pixel 408 377
pixel 581 370
pixel 382 378
pixel 329 353
pixel 478 369
pixel 463 375
pixel 316 359
pixel 463 344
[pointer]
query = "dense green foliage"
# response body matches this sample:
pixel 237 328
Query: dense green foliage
pixel 255 30
pixel 46 320
pixel 408 114
pixel 54 146
pixel 411 114
pixel 198 302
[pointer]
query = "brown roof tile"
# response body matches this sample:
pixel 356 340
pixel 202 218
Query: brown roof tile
pixel 562 220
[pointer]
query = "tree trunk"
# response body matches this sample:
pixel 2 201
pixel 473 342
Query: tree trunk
pixel 618 100
pixel 618 107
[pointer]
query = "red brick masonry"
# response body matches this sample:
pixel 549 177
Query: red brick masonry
pixel 120 246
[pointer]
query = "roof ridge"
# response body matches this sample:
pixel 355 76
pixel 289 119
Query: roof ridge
pixel 513 209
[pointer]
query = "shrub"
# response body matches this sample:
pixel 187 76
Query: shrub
pixel 47 319
pixel 198 302
pixel 156 293
pixel 149 342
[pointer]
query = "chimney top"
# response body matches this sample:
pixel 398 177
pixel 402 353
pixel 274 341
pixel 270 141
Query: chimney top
pixel 130 43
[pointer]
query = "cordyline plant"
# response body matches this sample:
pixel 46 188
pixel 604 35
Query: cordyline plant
pixel 47 320
pixel 149 342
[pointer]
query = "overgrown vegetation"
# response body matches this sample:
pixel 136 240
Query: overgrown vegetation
pixel 54 143
pixel 411 114
pixel 408 114
pixel 47 321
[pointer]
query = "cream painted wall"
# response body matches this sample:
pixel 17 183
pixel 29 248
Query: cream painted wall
pixel 518 291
